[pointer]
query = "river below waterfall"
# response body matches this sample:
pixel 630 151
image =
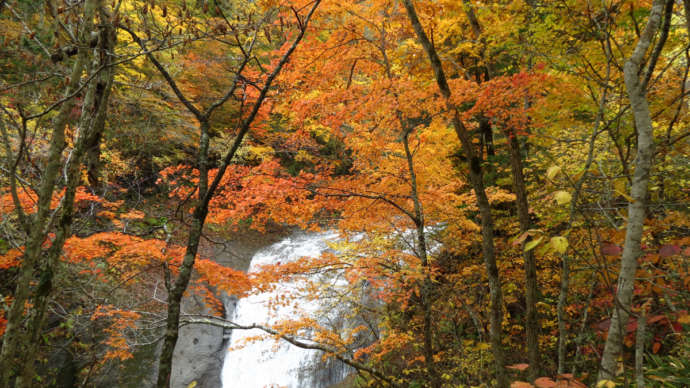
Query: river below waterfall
pixel 267 363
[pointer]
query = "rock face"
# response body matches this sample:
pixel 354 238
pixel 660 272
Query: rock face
pixel 201 349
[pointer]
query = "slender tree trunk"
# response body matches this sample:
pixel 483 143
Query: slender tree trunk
pixel 639 348
pixel 15 355
pixel 93 110
pixel 636 209
pixel 205 193
pixel 560 312
pixel 92 144
pixel 531 295
pixel 487 136
pixel 175 298
pixel 579 184
pixel 427 285
pixel 686 4
pixel 477 180
pixel 94 105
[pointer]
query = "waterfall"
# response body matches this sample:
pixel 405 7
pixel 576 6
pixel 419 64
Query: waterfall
pixel 268 363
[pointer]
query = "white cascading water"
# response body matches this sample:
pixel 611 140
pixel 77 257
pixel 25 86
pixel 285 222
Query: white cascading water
pixel 268 363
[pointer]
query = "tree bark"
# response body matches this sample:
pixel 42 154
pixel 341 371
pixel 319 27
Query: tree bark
pixel 93 110
pixel 15 355
pixel 22 336
pixel 477 180
pixel 206 192
pixel 427 285
pixel 531 295
pixel 686 4
pixel 639 347
pixel 638 191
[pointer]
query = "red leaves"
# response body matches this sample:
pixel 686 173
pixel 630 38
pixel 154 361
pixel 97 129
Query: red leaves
pixel 609 249
pixel 563 381
pixel 669 250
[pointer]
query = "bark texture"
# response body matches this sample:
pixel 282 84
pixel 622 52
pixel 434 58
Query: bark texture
pixel 531 295
pixel 22 337
pixel 206 190
pixel 638 191
pixel 477 180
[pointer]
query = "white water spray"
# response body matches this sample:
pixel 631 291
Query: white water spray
pixel 266 363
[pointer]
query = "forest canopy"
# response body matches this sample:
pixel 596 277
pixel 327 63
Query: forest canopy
pixel 509 181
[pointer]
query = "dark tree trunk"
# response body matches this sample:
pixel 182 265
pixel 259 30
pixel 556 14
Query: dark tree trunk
pixel 205 190
pixel 477 180
pixel 531 295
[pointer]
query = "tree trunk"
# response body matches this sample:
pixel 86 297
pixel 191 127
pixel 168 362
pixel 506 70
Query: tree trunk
pixel 93 110
pixel 686 7
pixel 477 180
pixel 427 285
pixel 531 295
pixel 205 193
pixel 15 355
pixel 487 136
pixel 638 191
pixel 639 347
pixel 23 335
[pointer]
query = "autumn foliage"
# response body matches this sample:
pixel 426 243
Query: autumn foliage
pixel 234 117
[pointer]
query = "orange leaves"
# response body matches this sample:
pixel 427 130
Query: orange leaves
pixel 223 278
pixel 124 254
pixel 3 323
pixel 28 199
pixel 10 259
pixel 502 100
pixel 117 321
pixel 519 367
pixel 4 305
pixel 263 193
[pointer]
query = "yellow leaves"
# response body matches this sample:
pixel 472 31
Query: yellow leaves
pixel 562 197
pixel 10 29
pixel 684 319
pixel 559 244
pixel 303 156
pixel 552 171
pixel 255 153
pixel 606 384
pixel 533 243
pixel 625 195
